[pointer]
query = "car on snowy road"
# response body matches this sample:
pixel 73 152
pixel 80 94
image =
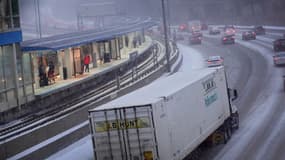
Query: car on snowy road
pixel 259 30
pixel 195 39
pixel 279 59
pixel 214 30
pixel 228 39
pixel 214 61
pixel 248 35
pixel 279 45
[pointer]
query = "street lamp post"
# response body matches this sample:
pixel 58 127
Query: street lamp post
pixel 165 30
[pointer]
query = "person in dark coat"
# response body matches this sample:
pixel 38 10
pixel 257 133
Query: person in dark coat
pixel 127 41
pixel 135 42
pixel 43 77
pixel 51 72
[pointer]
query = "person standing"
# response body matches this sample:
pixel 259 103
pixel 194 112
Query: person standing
pixel 51 72
pixel 86 63
pixel 43 77
pixel 135 42
pixel 127 41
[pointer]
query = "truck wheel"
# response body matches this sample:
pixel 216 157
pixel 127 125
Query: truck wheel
pixel 237 121
pixel 229 129
pixel 226 138
pixel 225 132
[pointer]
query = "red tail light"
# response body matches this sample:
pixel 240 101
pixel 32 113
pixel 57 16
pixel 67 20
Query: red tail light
pixel 275 58
pixel 224 39
pixel 277 43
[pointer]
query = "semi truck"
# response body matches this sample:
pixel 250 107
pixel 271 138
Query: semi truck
pixel 166 120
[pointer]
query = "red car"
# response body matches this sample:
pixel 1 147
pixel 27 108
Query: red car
pixel 259 30
pixel 194 39
pixel 228 39
pixel 279 45
pixel 204 26
pixel 247 35
pixel 183 28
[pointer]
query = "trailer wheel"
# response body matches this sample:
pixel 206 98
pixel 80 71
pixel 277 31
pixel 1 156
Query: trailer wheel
pixel 229 129
pixel 236 121
pixel 226 138
pixel 227 133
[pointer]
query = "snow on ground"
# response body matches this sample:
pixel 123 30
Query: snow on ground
pixel 83 149
pixel 192 59
pixel 259 115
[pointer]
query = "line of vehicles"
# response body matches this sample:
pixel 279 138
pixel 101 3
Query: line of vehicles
pixel 228 37
pixel 195 27
pixel 279 49
pixel 175 117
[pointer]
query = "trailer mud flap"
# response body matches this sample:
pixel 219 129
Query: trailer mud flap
pixel 148 155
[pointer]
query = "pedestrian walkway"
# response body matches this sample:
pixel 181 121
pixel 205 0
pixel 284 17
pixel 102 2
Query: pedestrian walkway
pixel 62 84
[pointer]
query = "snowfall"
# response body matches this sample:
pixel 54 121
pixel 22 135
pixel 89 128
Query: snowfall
pixel 83 149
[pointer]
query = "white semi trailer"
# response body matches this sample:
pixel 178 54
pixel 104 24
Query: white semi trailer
pixel 166 120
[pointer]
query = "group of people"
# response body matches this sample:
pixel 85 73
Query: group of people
pixel 137 40
pixel 46 74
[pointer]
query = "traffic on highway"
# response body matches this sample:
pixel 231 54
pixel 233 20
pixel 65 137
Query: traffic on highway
pixel 142 80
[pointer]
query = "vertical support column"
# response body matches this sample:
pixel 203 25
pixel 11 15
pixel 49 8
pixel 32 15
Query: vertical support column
pixel 36 70
pixel 117 47
pixel 95 53
pixel 32 69
pixel 166 36
pixel 110 50
pixel 125 47
pixel 23 79
pixel 68 62
pixel 113 49
pixel 60 61
pixel 73 60
pixel 124 40
pixel 15 75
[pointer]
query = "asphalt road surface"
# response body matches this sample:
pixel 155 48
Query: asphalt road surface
pixel 261 102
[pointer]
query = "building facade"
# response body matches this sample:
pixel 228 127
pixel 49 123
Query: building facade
pixel 15 68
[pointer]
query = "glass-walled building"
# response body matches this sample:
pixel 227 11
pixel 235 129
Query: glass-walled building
pixel 54 62
pixel 15 68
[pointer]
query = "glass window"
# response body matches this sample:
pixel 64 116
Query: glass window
pixel 2 98
pixel 5 19
pixel 2 77
pixel 15 7
pixel 15 12
pixel 27 70
pixel 5 14
pixel 29 90
pixel 8 65
pixel 11 95
pixel 19 65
